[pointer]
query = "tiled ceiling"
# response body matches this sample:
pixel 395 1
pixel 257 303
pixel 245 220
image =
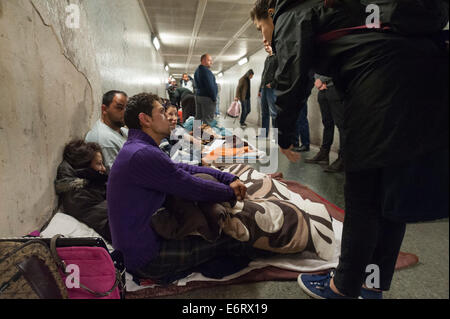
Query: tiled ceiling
pixel 189 28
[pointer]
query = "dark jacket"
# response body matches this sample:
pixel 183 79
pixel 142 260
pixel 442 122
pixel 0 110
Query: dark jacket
pixel 268 75
pixel 82 194
pixel 180 94
pixel 205 83
pixel 395 88
pixel 244 88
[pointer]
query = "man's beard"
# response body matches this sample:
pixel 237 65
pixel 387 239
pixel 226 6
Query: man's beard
pixel 118 124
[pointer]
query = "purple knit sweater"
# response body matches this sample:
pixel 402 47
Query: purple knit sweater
pixel 139 180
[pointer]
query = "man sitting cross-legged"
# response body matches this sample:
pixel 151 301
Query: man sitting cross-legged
pixel 141 179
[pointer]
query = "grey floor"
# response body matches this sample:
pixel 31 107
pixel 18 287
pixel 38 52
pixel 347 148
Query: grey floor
pixel 429 279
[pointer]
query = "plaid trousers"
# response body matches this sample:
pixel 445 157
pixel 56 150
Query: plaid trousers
pixel 178 258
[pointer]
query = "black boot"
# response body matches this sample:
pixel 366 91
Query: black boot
pixel 336 167
pixel 323 157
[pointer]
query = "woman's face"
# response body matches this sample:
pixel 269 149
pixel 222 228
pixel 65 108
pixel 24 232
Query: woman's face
pixel 172 116
pixel 97 163
pixel 266 27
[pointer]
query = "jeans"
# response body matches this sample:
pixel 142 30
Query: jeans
pixel 218 105
pixel 332 111
pixel 246 109
pixel 268 108
pixel 302 127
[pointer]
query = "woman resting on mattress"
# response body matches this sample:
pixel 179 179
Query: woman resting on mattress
pixel 81 186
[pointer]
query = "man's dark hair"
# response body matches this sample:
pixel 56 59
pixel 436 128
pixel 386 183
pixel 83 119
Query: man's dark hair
pixel 140 103
pixel 203 57
pixel 108 97
pixel 80 154
pixel 250 72
pixel 261 8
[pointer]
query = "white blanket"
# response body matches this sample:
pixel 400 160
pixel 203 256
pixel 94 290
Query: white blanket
pixel 303 262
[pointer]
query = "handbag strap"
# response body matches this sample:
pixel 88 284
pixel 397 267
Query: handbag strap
pixel 62 266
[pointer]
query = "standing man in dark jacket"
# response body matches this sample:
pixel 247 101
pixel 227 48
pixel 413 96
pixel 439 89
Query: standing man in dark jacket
pixel 396 131
pixel 206 94
pixel 243 94
pixel 268 97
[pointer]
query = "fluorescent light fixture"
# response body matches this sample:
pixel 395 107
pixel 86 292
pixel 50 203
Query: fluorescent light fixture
pixel 220 75
pixel 243 61
pixel 156 43
pixel 166 68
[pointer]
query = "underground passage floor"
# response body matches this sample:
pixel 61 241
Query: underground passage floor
pixel 429 279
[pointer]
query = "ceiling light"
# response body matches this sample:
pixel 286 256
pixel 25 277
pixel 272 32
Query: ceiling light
pixel 156 43
pixel 220 75
pixel 166 68
pixel 243 61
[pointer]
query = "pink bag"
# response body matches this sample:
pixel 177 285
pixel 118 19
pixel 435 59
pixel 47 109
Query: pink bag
pixel 235 109
pixel 94 270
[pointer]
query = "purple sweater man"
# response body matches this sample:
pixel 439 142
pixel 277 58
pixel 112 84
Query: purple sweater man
pixel 141 177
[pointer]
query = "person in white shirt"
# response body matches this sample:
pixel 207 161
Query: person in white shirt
pixel 187 82
pixel 109 131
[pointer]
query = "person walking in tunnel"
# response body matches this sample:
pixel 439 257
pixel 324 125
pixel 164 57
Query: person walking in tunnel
pixel 243 94
pixel 395 120
pixel 206 95
pixel 110 131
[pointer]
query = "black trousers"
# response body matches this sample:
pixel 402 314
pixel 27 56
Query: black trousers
pixel 332 111
pixel 378 204
pixel 368 238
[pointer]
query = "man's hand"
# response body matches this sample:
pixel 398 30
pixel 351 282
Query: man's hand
pixel 292 156
pixel 239 189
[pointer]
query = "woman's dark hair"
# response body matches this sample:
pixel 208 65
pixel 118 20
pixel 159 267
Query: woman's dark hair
pixel 261 8
pixel 80 154
pixel 140 103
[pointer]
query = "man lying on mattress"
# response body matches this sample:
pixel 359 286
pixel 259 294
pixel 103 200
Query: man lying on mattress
pixel 141 179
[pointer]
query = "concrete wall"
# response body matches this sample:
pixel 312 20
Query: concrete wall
pixel 52 78
pixel 256 62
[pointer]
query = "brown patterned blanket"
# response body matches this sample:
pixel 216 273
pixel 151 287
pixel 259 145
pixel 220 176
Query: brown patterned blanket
pixel 271 217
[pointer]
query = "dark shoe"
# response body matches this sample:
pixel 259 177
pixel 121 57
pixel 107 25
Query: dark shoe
pixel 302 148
pixel 243 125
pixel 370 294
pixel 323 157
pixel 318 286
pixel 336 167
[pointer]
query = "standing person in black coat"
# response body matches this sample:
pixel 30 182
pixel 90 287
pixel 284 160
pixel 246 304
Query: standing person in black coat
pixel 81 186
pixel 395 121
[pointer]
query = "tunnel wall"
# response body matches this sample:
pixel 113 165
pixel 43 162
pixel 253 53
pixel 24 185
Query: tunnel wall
pixel 53 73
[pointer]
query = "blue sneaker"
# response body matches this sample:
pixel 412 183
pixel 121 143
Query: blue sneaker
pixel 318 286
pixel 370 294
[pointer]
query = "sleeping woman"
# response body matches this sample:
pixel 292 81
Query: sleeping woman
pixel 81 186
